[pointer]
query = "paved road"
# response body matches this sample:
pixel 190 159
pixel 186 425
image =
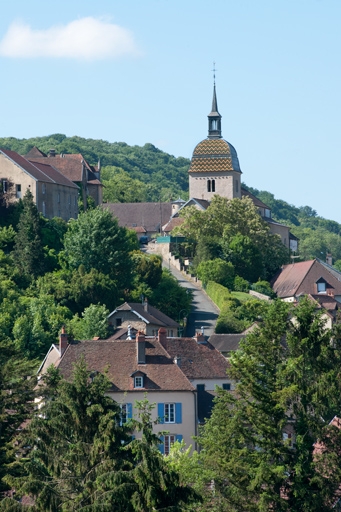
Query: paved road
pixel 203 312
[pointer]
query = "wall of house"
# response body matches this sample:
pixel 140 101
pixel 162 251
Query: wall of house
pixel 282 231
pixel 227 184
pixel 211 384
pixel 14 174
pixel 96 192
pixel 129 318
pixel 187 427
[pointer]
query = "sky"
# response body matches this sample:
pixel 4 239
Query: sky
pixel 141 71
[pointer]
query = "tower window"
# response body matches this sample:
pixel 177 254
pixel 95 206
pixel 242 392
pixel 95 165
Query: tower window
pixel 214 124
pixel 208 185
pixel 213 185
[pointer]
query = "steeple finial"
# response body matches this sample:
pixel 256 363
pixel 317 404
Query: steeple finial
pixel 214 118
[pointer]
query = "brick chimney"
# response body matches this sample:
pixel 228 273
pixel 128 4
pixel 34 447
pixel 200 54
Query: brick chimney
pixel 162 334
pixel 52 153
pixel 200 338
pixel 141 347
pixel 145 305
pixel 329 258
pixel 63 341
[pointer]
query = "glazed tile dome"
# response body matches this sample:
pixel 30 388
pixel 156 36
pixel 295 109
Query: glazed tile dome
pixel 214 155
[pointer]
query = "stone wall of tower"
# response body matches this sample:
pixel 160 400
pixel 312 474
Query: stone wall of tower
pixel 226 184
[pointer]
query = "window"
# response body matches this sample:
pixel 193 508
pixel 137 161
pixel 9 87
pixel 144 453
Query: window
pixel 321 287
pixel 58 197
pixel 4 184
pixel 227 386
pixel 213 186
pixel 208 185
pixel 168 441
pixel 200 387
pixel 170 334
pixel 118 322
pixel 287 438
pixel 18 191
pixel 44 209
pixel 43 188
pixel 169 412
pixel 237 186
pixel 214 124
pixel 138 382
pixel 126 413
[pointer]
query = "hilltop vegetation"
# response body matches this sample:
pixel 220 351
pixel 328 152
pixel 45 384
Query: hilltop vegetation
pixel 138 174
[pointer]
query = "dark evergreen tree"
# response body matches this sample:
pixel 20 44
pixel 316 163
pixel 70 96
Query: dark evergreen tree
pixel 260 442
pixel 28 253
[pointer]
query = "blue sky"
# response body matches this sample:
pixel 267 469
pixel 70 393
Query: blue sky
pixel 141 71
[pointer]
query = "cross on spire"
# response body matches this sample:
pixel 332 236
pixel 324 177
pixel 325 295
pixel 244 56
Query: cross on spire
pixel 214 70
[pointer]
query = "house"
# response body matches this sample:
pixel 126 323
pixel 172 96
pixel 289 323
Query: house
pixel 144 218
pixel 142 317
pixel 53 193
pixel 179 375
pixel 75 168
pixel 226 344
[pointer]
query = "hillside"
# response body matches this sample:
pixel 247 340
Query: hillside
pixel 135 173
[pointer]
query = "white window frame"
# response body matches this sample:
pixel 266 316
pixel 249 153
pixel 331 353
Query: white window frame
pixel 138 381
pixel 169 439
pixel 170 412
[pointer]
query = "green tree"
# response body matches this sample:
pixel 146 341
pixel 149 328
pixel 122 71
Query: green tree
pixel 94 323
pixel 282 386
pixel 77 447
pixel 169 297
pixel 96 241
pixel 157 485
pixel 28 253
pixel 119 187
pixel 219 271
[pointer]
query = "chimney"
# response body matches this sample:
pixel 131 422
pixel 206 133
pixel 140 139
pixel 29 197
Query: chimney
pixel 162 334
pixel 145 305
pixel 63 341
pixel 329 259
pixel 141 347
pixel 200 337
pixel 52 152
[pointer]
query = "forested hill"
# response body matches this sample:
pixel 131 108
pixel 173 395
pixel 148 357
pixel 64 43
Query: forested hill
pixel 135 173
pixel 157 175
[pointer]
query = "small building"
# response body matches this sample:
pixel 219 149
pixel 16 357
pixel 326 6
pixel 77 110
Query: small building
pixel 53 193
pixel 142 317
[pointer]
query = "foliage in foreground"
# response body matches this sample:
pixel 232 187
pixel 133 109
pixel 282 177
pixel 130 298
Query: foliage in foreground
pixel 77 454
pixel 259 443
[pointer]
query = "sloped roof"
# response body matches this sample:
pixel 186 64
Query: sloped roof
pixel 198 360
pixel 226 342
pixel 148 215
pixel 120 360
pixel 173 223
pixel 255 200
pixel 300 278
pixel 151 316
pixel 45 173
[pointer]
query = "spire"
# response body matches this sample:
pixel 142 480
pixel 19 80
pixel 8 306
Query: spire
pixel 214 118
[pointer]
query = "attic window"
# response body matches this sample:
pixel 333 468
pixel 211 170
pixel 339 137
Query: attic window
pixel 321 287
pixel 138 382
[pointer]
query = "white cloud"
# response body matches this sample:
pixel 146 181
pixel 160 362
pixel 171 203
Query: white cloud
pixel 87 38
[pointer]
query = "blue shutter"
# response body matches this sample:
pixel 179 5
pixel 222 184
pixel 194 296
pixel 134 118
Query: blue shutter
pixel 178 412
pixel 161 412
pixel 129 411
pixel 162 444
pixel 179 438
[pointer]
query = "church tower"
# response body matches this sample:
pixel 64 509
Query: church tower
pixel 214 166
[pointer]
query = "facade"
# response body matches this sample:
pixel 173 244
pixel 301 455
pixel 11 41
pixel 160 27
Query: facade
pixel 76 169
pixel 142 317
pixel 53 193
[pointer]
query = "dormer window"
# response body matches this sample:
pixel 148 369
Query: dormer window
pixel 321 286
pixel 138 382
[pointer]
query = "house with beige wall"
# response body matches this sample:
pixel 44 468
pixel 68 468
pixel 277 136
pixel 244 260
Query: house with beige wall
pixel 54 194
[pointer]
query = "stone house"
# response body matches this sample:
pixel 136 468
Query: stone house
pixel 142 317
pixel 75 168
pixel 53 193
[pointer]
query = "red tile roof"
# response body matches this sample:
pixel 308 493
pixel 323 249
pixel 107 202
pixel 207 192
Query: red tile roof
pixel 197 360
pixel 119 358
pixel 45 173
pixel 148 215
pixel 300 278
